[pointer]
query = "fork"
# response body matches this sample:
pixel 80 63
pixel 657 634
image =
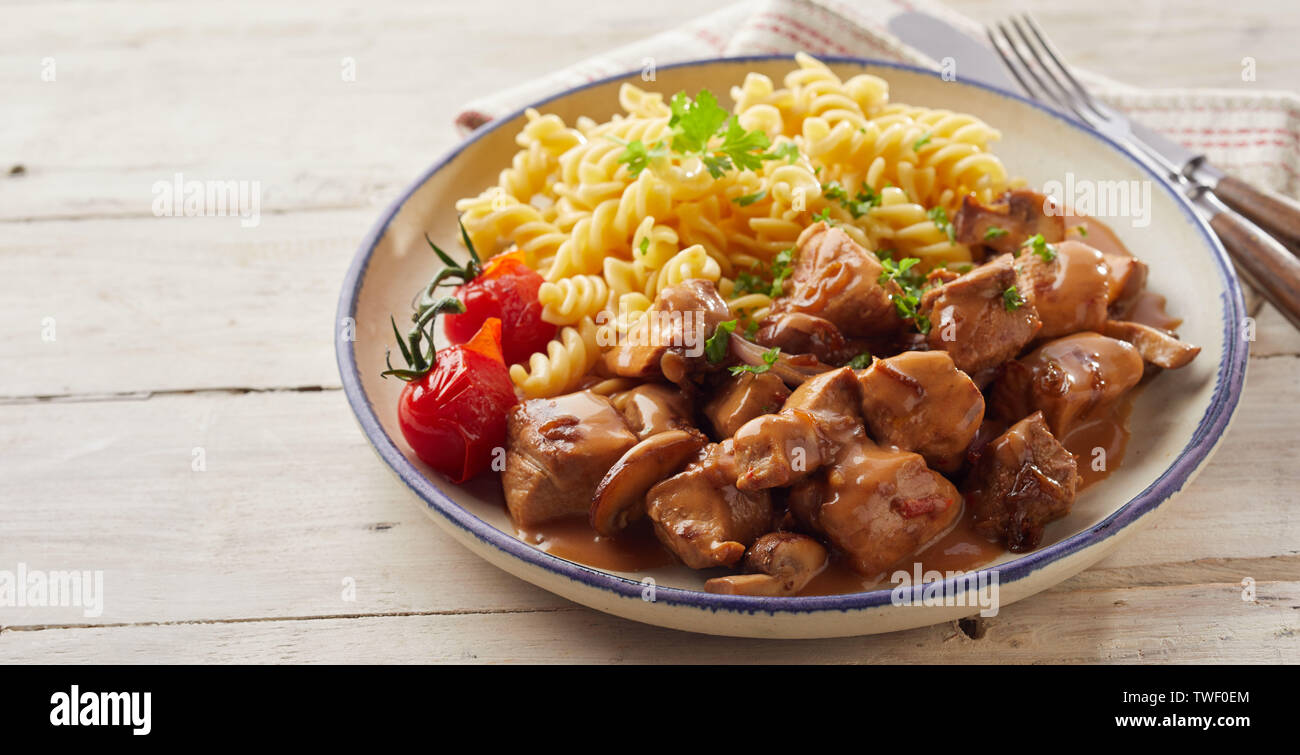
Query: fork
pixel 1040 70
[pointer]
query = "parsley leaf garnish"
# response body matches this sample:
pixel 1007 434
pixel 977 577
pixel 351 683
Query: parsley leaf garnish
pixel 940 218
pixel 695 122
pixel 715 348
pixel 781 268
pixel 787 151
pixel 910 283
pixel 861 361
pixel 919 143
pixel 769 358
pixel 994 232
pixel 1011 299
pixel 637 156
pixel 644 246
pixel 1038 245
pixel 749 199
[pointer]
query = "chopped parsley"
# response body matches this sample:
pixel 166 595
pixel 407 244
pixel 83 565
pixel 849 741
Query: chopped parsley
pixel 824 216
pixel 911 285
pixel 637 156
pixel 858 204
pixel 715 348
pixel 861 361
pixel 751 329
pixel 1011 299
pixel 703 128
pixel 1081 229
pixel 1039 246
pixel 940 218
pixel 781 269
pixel 919 143
pixel 749 199
pixel 769 358
pixel 994 233
pixel 644 246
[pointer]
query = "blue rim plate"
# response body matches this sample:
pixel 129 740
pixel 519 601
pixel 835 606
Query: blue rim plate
pixel 1212 425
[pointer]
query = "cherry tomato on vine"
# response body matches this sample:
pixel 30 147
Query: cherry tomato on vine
pixel 504 287
pixel 453 409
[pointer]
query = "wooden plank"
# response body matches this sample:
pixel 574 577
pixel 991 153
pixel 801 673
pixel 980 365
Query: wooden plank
pixel 132 103
pixel 292 502
pixel 158 304
pixel 1214 624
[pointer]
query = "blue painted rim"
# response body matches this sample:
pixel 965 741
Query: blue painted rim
pixel 1209 430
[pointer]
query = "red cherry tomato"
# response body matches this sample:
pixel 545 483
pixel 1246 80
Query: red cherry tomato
pixel 507 290
pixel 455 416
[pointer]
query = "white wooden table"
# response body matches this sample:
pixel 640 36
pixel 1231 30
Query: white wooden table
pixel 183 429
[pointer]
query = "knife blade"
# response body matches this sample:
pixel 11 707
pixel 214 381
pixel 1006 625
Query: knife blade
pixel 974 60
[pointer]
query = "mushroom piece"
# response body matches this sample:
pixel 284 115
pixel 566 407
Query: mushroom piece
pixel 1159 347
pixel 793 369
pixel 780 563
pixel 620 498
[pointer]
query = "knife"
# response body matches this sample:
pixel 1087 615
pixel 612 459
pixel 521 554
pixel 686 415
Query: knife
pixel 974 60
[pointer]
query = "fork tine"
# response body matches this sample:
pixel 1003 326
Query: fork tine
pixel 1044 92
pixel 1006 61
pixel 1056 58
pixel 1061 93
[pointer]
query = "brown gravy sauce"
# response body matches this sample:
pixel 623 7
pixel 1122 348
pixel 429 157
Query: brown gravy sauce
pixel 636 549
pixel 961 549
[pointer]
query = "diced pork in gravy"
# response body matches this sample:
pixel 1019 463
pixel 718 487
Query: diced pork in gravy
pixel 703 518
pixel 1023 479
pixel 557 451
pixel 836 279
pixel 877 505
pixel 1070 291
pixel 970 317
pixel 919 401
pixel 822 414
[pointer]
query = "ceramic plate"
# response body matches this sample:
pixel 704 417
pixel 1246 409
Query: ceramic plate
pixel 1177 421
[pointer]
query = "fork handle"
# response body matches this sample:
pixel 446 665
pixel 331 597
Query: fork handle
pixel 1274 213
pixel 1263 260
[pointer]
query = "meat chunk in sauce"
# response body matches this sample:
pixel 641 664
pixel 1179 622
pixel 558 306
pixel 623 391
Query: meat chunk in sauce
pixel 1023 480
pixel 822 414
pixel 877 505
pixel 669 340
pixel 1069 379
pixel 836 279
pixel 654 408
pixel 972 321
pixel 778 563
pixel 700 516
pixel 557 451
pixel 743 397
pixel 1070 290
pixel 919 401
pixel 1004 226
pixel 1159 347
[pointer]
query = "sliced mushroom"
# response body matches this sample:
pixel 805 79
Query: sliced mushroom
pixel 1159 347
pixel 782 563
pixel 791 368
pixel 620 498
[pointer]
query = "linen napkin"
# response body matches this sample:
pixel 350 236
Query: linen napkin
pixel 1254 135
